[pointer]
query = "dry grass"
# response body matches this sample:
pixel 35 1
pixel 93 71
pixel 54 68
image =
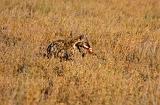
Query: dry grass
pixel 124 32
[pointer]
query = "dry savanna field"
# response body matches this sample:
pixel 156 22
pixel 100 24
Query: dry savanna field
pixel 125 35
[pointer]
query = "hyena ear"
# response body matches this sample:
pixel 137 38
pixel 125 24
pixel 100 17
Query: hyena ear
pixel 82 36
pixel 71 34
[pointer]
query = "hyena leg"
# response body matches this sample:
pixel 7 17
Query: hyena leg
pixel 64 55
pixel 51 50
pixel 81 51
pixel 80 48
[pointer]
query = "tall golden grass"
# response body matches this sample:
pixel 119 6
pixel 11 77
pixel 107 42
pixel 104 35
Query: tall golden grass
pixel 126 33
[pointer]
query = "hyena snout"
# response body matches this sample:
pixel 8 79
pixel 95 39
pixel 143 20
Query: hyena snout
pixel 85 43
pixel 84 47
pixel 87 47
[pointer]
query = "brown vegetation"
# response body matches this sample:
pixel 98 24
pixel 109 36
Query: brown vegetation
pixel 125 35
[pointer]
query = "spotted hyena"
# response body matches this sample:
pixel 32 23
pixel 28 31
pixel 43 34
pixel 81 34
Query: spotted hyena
pixel 64 49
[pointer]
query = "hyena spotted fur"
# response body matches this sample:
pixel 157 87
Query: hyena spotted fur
pixel 64 49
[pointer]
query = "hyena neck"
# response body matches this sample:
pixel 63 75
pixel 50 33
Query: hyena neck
pixel 73 41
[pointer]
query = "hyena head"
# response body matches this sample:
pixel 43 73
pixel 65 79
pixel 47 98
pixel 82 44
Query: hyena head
pixel 83 43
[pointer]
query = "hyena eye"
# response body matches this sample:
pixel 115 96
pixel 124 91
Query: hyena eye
pixel 87 44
